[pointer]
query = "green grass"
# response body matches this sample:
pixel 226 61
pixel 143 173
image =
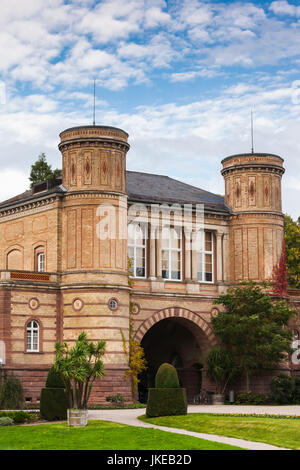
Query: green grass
pixel 99 435
pixel 281 432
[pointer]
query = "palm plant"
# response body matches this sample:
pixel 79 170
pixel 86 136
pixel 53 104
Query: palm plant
pixel 79 367
pixel 220 368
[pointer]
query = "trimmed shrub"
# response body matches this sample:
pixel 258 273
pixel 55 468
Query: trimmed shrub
pixel 6 421
pixel 166 377
pixel 282 389
pixel 166 402
pixel 250 398
pixel 296 394
pixel 54 379
pixel 117 399
pixel 11 396
pixel 54 404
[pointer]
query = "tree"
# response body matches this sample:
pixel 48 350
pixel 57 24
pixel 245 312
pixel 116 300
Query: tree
pixel 79 367
pixel 132 348
pixel 280 275
pixel 221 367
pixel 253 328
pixel 292 241
pixel 41 171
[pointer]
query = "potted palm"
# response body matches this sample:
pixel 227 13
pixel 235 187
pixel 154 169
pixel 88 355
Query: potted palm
pixel 221 369
pixel 78 367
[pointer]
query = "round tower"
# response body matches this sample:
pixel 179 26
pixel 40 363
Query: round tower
pixel 253 192
pixel 94 271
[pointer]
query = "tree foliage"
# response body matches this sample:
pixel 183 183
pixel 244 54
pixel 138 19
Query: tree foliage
pixel 292 241
pixel 221 367
pixel 253 328
pixel 79 367
pixel 132 348
pixel 41 171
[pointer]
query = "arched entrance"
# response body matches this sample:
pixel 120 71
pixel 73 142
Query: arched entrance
pixel 175 336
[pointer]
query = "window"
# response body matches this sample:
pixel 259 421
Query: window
pixel 137 245
pixel 171 253
pixel 205 244
pixel 33 336
pixel 41 262
pixel 113 304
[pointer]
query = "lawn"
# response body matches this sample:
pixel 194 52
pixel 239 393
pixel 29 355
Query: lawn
pixel 98 435
pixel 281 432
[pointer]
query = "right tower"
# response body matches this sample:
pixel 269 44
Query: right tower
pixel 253 192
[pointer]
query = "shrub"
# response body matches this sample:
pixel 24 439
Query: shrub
pixel 118 399
pixel 166 402
pixel 11 396
pixel 166 377
pixel 251 398
pixel 296 394
pixel 6 421
pixel 54 404
pixel 282 389
pixel 54 379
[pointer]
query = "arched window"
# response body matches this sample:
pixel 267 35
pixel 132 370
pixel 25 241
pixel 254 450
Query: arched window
pixel 171 253
pixel 14 260
pixel 137 246
pixel 33 333
pixel 39 262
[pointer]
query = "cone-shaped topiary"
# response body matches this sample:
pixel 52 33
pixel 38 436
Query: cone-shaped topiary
pixel 166 377
pixel 54 379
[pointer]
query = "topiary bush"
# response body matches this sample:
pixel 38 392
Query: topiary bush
pixel 54 404
pixel 54 379
pixel 167 398
pixel 282 389
pixel 53 401
pixel 11 395
pixel 6 421
pixel 166 377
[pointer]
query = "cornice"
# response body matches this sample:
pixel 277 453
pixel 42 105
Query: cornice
pixel 104 142
pixel 261 167
pixel 30 207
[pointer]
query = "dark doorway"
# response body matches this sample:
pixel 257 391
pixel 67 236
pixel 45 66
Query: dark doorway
pixel 179 342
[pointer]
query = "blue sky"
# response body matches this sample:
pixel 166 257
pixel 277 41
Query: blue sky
pixel 179 76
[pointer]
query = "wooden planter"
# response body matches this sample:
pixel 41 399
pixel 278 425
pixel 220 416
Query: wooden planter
pixel 218 399
pixel 77 418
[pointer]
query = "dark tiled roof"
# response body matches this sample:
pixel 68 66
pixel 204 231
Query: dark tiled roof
pixel 154 188
pixel 146 187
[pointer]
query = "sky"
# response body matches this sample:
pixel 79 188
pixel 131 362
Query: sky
pixel 180 76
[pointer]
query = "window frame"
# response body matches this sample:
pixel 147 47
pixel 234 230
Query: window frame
pixel 32 330
pixel 135 246
pixel 170 251
pixel 203 252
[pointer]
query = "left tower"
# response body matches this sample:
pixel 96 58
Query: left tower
pixel 93 251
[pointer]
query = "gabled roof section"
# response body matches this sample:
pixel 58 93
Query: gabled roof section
pixel 146 187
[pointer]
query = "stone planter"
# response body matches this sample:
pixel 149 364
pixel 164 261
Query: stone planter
pixel 218 399
pixel 77 418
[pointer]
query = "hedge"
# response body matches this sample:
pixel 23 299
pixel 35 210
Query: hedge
pixel 166 402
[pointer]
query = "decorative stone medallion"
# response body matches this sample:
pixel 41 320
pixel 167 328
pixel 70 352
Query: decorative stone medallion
pixel 135 309
pixel 34 304
pixel 78 305
pixel 214 312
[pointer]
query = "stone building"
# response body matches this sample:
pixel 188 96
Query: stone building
pixel 60 275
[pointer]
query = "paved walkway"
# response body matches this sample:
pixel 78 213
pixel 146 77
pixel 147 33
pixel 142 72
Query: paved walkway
pixel 130 417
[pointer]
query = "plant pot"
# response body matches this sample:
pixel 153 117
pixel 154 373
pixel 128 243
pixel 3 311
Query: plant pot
pixel 77 418
pixel 218 399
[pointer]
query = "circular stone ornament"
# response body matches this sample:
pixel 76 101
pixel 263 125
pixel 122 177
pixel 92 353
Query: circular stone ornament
pixel 135 309
pixel 78 305
pixel 34 303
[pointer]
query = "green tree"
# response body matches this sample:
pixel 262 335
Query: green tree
pixel 292 242
pixel 79 367
pixel 41 171
pixel 220 367
pixel 253 328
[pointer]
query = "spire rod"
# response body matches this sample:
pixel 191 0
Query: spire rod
pixel 252 133
pixel 94 120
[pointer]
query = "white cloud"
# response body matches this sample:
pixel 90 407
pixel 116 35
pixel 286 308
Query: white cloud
pixel 284 8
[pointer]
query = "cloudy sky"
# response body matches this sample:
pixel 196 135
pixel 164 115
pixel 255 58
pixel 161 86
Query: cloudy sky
pixel 180 76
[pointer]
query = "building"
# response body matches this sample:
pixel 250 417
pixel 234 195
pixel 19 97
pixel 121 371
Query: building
pixel 60 275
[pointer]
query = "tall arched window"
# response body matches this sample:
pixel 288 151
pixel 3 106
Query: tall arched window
pixel 137 246
pixel 205 255
pixel 39 261
pixel 33 333
pixel 171 253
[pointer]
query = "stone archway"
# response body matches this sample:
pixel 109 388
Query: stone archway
pixel 180 337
